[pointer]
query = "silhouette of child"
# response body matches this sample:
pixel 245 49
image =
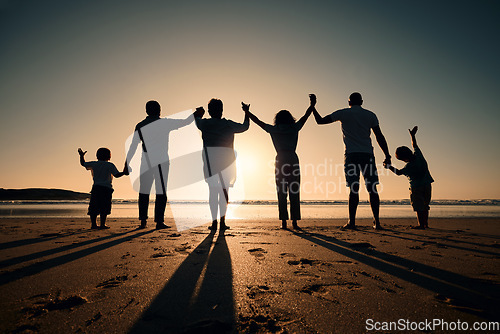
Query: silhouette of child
pixel 100 195
pixel 285 135
pixel 420 178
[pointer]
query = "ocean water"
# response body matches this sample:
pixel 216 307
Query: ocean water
pixel 249 210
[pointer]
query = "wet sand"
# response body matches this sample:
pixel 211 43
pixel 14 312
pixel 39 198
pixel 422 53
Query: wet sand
pixel 58 276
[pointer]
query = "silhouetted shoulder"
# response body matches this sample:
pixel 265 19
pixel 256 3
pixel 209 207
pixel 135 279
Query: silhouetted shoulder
pixel 146 121
pixel 370 117
pixel 338 115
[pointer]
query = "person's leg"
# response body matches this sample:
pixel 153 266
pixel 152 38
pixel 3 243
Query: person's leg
pixel 369 170
pixel 143 209
pixel 223 202
pixel 93 221
pixel 294 193
pixel 428 195
pixel 281 192
pixel 103 221
pixel 160 204
pixel 422 218
pixel 283 224
pixel 93 209
pixel 353 204
pixel 213 202
pixel 420 198
pixel 160 177
pixel 351 170
pixel 375 205
pixel 145 184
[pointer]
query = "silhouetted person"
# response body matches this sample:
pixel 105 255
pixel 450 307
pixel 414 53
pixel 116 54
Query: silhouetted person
pixel 218 157
pixel 102 190
pixel 420 178
pixel 153 133
pixel 285 135
pixel 357 124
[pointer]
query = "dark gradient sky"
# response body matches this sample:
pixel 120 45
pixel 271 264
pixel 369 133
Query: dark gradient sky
pixel 78 73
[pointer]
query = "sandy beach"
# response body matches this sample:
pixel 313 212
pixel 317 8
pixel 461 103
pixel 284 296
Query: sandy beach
pixel 58 276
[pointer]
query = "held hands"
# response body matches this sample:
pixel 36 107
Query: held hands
pixel 245 107
pixel 199 112
pixel 126 169
pixel 387 162
pixel 312 99
pixel 413 131
pixel 81 152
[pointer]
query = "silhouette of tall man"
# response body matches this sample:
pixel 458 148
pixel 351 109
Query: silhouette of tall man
pixel 357 124
pixel 153 133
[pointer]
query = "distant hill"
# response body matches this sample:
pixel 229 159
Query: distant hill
pixel 41 194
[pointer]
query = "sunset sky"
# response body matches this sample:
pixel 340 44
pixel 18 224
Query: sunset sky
pixel 78 74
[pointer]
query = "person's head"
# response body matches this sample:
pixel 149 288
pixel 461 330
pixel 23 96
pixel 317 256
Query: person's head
pixel 153 108
pixel 404 153
pixel 215 108
pixel 283 117
pixel 103 154
pixel 355 99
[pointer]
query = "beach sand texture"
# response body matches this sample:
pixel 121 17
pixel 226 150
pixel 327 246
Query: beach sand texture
pixel 58 276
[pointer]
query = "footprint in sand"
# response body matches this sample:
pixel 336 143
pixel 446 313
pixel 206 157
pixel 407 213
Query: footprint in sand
pixel 161 252
pixel 258 253
pixel 183 248
pixel 58 303
pixel 458 304
pixel 303 261
pixel 256 291
pixel 287 255
pixel 112 282
pixel 321 291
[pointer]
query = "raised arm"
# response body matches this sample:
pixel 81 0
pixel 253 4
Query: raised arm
pixel 198 114
pixel 413 133
pixel 82 157
pixel 303 119
pixel 242 127
pixel 255 119
pixel 317 116
pixel 382 143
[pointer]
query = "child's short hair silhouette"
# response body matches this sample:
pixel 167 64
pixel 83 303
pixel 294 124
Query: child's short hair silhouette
pixel 103 154
pixel 404 153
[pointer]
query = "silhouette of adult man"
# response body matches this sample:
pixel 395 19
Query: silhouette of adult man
pixel 153 133
pixel 357 125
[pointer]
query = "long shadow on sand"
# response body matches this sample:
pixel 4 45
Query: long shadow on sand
pixel 41 238
pixel 428 239
pixel 461 292
pixel 33 256
pixel 198 298
pixel 38 267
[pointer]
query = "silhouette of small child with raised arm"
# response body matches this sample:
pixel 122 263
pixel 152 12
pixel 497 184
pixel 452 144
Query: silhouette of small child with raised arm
pixel 102 190
pixel 420 178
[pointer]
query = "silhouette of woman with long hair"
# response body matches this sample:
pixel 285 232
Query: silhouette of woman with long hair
pixel 219 159
pixel 285 135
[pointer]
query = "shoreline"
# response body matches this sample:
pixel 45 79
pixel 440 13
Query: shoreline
pixel 58 276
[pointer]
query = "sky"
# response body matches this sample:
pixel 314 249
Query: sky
pixel 78 74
